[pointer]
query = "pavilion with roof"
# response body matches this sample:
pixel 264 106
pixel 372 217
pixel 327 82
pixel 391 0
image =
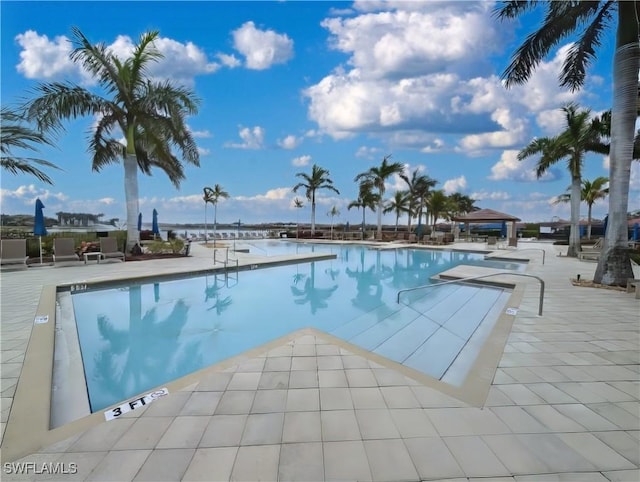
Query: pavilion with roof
pixel 490 216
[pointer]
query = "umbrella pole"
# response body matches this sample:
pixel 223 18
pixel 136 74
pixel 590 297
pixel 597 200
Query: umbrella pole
pixel 40 242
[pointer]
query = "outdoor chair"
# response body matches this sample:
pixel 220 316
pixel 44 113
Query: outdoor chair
pixel 492 241
pixel 64 250
pixel 592 253
pixel 109 248
pixel 13 251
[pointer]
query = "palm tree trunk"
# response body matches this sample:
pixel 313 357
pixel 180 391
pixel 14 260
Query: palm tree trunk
pixel 313 214
pixel 215 222
pixel 614 265
pixel 589 221
pixel 206 241
pixel 364 210
pixel 574 232
pixel 397 220
pixel 379 235
pixel 131 196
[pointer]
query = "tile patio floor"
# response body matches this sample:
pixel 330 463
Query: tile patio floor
pixel 564 403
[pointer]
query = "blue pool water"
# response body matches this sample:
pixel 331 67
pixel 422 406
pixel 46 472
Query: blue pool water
pixel 138 336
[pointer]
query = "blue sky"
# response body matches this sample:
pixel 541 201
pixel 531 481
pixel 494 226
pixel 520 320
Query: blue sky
pixel 285 85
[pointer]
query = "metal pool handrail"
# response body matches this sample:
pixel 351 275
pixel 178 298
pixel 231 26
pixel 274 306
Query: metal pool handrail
pixel 479 277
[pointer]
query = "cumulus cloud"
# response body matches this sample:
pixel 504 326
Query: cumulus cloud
pixel 29 193
pixel 368 152
pixel 262 48
pixel 493 195
pixel 290 142
pixel 205 134
pixel 276 194
pixel 229 61
pixel 301 161
pixel 508 168
pixel 203 151
pixel 251 138
pixel 43 58
pixel 458 184
pixel 419 67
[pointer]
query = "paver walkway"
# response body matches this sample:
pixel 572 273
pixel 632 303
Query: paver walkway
pixel 564 404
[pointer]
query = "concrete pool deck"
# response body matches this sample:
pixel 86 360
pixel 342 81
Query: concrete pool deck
pixel 563 405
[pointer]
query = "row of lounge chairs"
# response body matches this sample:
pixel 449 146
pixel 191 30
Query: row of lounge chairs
pixel 246 235
pixel 14 251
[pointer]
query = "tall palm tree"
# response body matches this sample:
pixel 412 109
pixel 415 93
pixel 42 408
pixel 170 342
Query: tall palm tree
pixel 419 186
pixel 590 192
pixel 580 136
pixel 318 179
pixel 437 202
pixel 15 135
pixel 333 212
pixel 150 115
pixel 213 196
pixel 377 176
pixel 459 204
pixel 398 204
pixel 591 19
pixel 367 199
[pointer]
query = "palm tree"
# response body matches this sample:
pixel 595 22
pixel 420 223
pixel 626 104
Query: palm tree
pixel 459 204
pixel 591 191
pixel 367 199
pixel 592 18
pixel 319 179
pixel 333 213
pixel 213 196
pixel 580 136
pixel 15 135
pixel 150 115
pixel 298 204
pixel 398 204
pixel 377 176
pixel 419 186
pixel 437 202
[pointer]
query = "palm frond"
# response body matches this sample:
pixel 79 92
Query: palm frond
pixel 583 52
pixel 561 19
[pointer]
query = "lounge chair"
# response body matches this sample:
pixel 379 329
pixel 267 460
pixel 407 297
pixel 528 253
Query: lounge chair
pixel 64 250
pixel 492 241
pixel 109 248
pixel 13 251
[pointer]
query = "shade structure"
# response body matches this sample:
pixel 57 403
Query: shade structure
pixel 39 229
pixel 139 221
pixel 154 224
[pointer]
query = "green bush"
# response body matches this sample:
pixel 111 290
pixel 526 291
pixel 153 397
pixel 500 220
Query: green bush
pixel 174 246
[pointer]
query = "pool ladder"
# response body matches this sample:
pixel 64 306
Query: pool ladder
pixel 461 280
pixel 226 261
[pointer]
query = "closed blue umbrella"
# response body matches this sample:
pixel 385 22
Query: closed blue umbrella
pixel 154 224
pixel 503 230
pixel 604 224
pixel 139 221
pixel 636 232
pixel 39 229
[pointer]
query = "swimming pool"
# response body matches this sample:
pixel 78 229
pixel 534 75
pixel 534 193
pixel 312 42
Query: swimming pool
pixel 138 336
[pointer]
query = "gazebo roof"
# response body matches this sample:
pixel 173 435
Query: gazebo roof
pixel 485 215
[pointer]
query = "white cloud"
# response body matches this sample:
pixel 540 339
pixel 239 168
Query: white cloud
pixel 513 133
pixel 508 168
pixel 290 142
pixel 276 194
pixel 301 161
pixel 368 152
pixel 27 194
pixel 493 195
pixel 229 61
pixel 551 121
pixel 252 138
pixel 203 151
pixel 262 48
pixel 458 184
pixel 42 58
pixel 205 134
